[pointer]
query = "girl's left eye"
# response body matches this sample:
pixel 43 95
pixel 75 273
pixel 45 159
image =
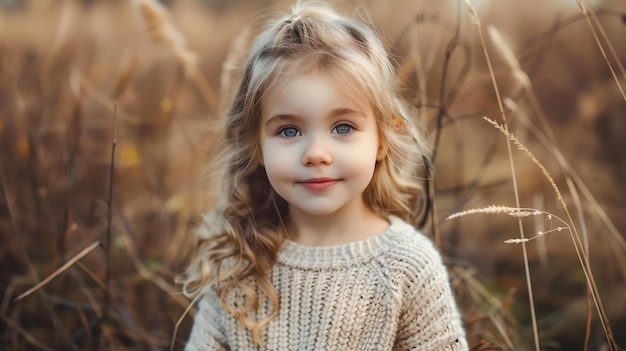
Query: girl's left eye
pixel 342 128
pixel 289 132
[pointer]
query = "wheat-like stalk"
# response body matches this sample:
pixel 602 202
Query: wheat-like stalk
pixel 498 209
pixel 494 82
pixel 509 57
pixel 518 74
pixel 162 31
pixel 548 139
pixel 530 155
pixel 578 245
pixel 514 212
pixel 574 181
pixel 538 235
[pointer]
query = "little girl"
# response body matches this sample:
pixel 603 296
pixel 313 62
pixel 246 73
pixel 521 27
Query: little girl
pixel 310 246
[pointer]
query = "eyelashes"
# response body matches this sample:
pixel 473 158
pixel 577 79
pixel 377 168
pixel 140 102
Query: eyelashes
pixel 339 128
pixel 288 132
pixel 343 127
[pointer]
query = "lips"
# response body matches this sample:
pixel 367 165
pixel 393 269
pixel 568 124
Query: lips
pixel 319 183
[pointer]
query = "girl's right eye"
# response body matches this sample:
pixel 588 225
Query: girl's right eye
pixel 289 132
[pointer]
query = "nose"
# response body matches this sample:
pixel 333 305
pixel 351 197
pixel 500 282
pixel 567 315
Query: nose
pixel 317 152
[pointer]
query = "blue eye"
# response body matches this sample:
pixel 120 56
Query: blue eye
pixel 342 128
pixel 289 132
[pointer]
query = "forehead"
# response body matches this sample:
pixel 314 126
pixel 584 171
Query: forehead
pixel 320 85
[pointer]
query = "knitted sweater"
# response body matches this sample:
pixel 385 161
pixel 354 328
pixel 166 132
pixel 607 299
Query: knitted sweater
pixel 388 292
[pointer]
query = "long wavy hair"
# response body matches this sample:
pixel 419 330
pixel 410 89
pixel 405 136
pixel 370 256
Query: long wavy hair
pixel 240 238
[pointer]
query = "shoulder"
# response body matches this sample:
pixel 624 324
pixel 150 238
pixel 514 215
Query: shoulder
pixel 209 325
pixel 412 259
pixel 410 244
pixel 429 317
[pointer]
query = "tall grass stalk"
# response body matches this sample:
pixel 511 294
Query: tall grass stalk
pixel 441 113
pixel 477 25
pixel 578 245
pixel 162 31
pixel 107 246
pixel 585 13
pixel 181 318
pixel 518 213
pixel 494 305
pixel 546 137
pixel 608 42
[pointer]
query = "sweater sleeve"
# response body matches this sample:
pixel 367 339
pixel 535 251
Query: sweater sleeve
pixel 208 332
pixel 429 319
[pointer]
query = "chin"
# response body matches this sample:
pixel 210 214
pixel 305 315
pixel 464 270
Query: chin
pixel 318 211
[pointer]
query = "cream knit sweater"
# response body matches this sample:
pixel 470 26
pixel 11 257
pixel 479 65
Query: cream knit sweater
pixel 388 292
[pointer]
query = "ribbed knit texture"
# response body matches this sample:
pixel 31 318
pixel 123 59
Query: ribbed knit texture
pixel 388 292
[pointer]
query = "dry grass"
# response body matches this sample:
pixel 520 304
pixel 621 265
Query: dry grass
pixel 558 77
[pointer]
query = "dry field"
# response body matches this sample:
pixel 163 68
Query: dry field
pixel 89 252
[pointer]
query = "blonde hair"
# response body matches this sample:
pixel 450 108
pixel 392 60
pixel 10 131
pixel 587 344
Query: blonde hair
pixel 240 238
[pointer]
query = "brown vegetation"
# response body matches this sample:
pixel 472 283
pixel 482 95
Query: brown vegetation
pixel 89 252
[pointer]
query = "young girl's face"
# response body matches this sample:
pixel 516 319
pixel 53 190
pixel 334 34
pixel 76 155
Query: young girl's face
pixel 319 144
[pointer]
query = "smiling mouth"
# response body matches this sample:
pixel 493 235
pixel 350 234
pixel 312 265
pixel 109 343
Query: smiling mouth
pixel 319 183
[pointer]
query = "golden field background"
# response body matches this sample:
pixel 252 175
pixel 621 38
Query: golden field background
pixel 106 264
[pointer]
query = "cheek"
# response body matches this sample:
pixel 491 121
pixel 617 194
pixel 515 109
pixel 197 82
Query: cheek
pixel 367 153
pixel 359 164
pixel 277 163
pixel 263 149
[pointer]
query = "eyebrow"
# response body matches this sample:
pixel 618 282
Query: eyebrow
pixel 333 113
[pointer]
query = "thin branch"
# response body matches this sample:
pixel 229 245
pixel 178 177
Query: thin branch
pixel 452 44
pixel 107 291
pixel 63 268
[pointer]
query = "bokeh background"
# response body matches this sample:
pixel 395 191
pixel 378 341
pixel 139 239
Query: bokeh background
pixel 99 247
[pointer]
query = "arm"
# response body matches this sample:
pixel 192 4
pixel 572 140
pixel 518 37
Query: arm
pixel 208 331
pixel 430 319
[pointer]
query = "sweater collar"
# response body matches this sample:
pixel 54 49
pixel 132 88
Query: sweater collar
pixel 341 256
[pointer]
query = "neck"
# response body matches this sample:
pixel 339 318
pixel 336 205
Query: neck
pixel 341 227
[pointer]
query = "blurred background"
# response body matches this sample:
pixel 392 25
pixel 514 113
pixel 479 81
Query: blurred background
pixel 89 253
